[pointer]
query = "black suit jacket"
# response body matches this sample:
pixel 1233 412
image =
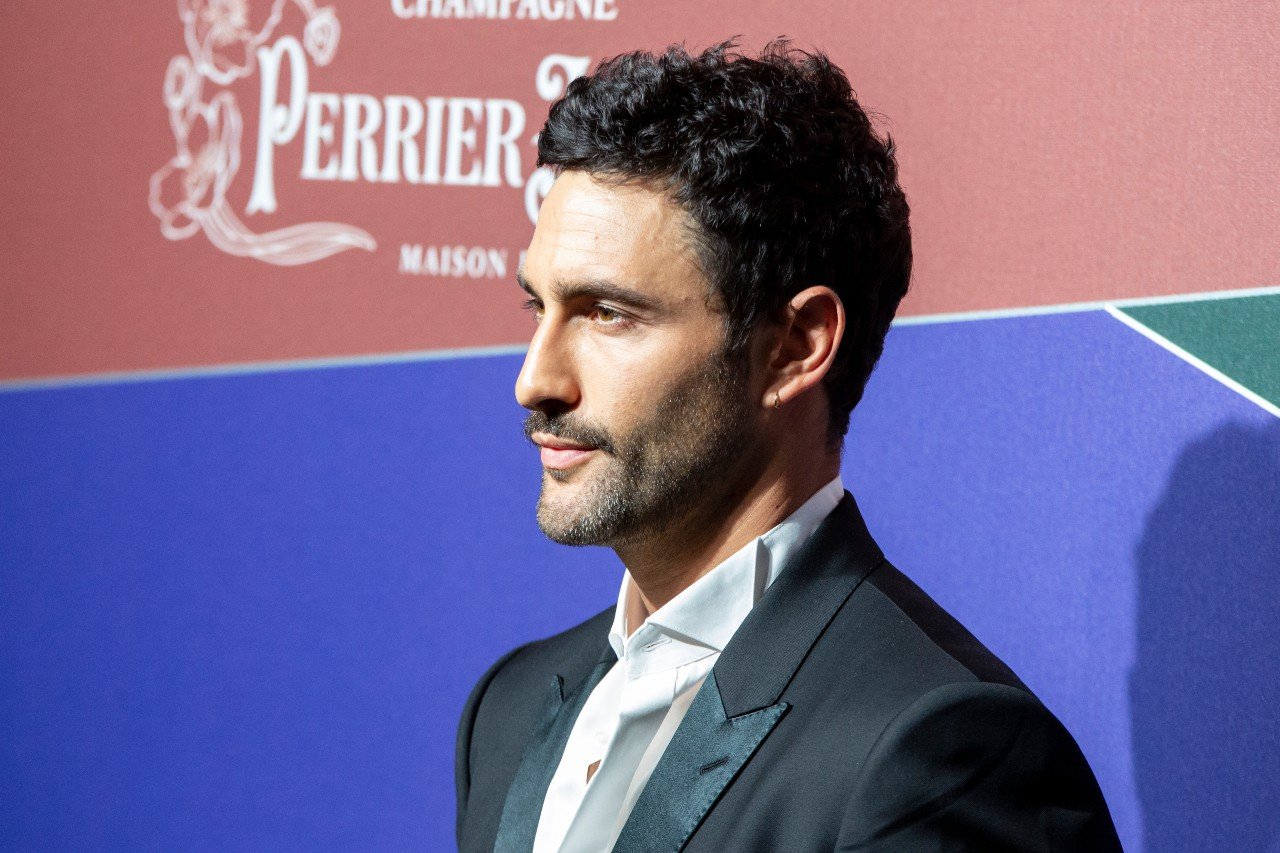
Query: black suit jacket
pixel 849 712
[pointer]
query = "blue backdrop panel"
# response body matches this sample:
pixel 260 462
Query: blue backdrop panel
pixel 244 612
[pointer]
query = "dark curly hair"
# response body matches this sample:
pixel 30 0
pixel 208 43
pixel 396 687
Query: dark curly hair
pixel 780 169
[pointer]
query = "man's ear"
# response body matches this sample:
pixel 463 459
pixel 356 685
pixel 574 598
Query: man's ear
pixel 812 326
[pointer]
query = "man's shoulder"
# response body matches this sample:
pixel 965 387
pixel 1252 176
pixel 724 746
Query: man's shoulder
pixel 923 631
pixel 868 623
pixel 954 724
pixel 914 727
pixel 888 646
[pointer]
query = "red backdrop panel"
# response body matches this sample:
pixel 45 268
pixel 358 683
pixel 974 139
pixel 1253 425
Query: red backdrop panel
pixel 1053 152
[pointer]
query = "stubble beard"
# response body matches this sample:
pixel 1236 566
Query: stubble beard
pixel 670 467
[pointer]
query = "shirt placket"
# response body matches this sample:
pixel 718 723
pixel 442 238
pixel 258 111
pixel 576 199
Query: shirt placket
pixel 647 693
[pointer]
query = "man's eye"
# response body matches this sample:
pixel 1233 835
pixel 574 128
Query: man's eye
pixel 535 306
pixel 607 315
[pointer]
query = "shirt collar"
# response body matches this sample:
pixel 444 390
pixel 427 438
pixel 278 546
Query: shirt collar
pixel 709 611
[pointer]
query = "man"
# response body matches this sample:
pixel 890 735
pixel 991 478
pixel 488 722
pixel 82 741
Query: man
pixel 713 275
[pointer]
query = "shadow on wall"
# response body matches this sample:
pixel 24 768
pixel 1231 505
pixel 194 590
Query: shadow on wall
pixel 1205 690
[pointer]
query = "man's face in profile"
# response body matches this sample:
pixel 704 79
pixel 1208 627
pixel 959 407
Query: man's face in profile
pixel 639 415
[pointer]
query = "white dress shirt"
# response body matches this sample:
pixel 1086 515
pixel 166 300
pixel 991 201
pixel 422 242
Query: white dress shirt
pixel 630 717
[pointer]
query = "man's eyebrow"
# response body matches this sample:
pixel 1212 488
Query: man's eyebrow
pixel 524 284
pixel 593 289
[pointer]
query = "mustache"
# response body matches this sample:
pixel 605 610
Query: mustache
pixel 568 428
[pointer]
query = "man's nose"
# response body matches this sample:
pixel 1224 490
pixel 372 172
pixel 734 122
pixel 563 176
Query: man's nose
pixel 546 380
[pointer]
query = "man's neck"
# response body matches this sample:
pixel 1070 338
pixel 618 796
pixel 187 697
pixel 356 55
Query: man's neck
pixel 664 565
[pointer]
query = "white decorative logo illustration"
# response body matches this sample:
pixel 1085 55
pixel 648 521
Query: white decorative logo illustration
pixel 188 194
pixel 555 72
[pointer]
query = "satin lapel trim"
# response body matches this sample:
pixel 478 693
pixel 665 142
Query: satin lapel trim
pixel 704 756
pixel 522 810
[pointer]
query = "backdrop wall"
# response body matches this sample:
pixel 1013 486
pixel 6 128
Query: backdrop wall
pixel 265 507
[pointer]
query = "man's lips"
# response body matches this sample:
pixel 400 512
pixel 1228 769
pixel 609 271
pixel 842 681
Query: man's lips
pixel 559 453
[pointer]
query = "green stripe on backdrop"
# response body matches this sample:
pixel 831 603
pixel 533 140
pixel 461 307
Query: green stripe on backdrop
pixel 1239 337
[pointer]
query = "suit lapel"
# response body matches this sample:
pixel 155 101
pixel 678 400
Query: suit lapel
pixel 707 751
pixel 740 702
pixel 523 807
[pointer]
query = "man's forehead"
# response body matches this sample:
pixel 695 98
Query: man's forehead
pixel 597 229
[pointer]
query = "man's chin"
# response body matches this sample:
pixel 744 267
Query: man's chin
pixel 564 530
pixel 565 511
